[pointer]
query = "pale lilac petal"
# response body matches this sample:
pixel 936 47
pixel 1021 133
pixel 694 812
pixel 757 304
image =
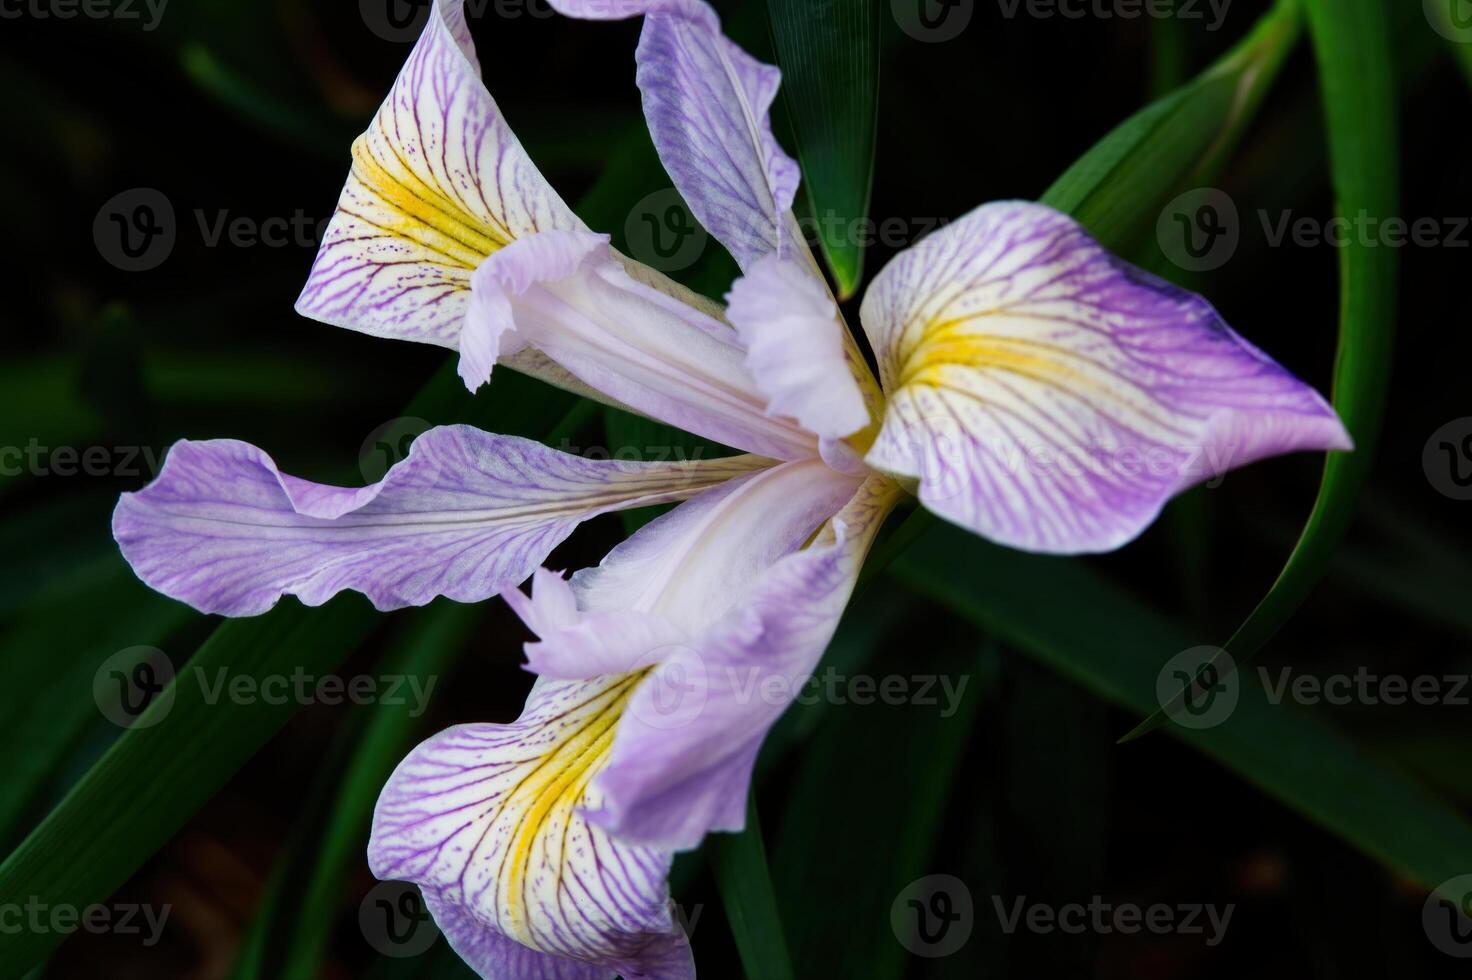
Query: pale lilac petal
pixel 487 820
pixel 494 957
pixel 466 515
pixel 794 347
pixel 438 183
pixel 693 564
pixel 580 645
pixel 679 770
pixel 707 103
pixel 602 9
pixel 1052 397
pixel 566 295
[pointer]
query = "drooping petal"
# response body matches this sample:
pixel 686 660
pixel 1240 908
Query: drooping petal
pixel 794 347
pixel 487 820
pixel 683 754
pixel 724 614
pixel 707 103
pixel 566 295
pixel 1052 397
pixel 466 515
pixel 438 183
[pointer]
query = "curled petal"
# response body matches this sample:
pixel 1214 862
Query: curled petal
pixel 566 295
pixel 487 820
pixel 466 515
pixel 683 754
pixel 438 183
pixel 722 613
pixel 1052 397
pixel 794 347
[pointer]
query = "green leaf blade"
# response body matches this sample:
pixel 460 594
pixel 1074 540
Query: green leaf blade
pixel 829 56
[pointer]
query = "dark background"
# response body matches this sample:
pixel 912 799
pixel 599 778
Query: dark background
pixel 248 108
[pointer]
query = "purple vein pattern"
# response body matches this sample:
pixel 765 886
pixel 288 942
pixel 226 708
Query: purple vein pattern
pixel 438 183
pixel 1052 397
pixel 706 102
pixel 489 820
pixel 465 515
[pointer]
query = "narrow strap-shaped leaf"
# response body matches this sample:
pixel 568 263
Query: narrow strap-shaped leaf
pixel 1350 40
pixel 1087 629
pixel 829 55
pixel 1118 187
pixel 435 635
pixel 739 863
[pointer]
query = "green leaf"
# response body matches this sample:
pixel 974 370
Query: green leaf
pixel 308 888
pixel 1080 625
pixel 1350 40
pixel 739 863
pixel 155 777
pixel 874 822
pixel 829 55
pixel 1119 186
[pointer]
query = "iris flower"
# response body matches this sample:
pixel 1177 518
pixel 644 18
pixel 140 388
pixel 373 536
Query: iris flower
pixel 1032 388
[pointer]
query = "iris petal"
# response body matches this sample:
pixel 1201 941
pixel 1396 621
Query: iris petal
pixel 466 515
pixel 487 819
pixel 438 183
pixel 1050 396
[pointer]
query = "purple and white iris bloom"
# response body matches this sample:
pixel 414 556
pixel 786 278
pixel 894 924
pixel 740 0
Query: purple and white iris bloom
pixel 1032 388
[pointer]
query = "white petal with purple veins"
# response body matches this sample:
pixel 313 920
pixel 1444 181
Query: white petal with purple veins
pixel 794 347
pixel 487 820
pixel 707 103
pixel 1050 396
pixel 438 183
pixel 466 515
pixel 712 605
pixel 566 295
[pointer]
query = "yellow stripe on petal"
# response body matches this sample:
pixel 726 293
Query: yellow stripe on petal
pixel 490 818
pixel 438 183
